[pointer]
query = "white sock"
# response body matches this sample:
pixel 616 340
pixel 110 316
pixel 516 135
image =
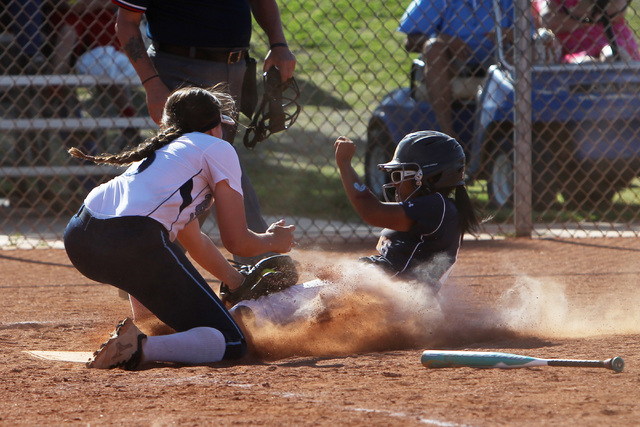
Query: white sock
pixel 192 347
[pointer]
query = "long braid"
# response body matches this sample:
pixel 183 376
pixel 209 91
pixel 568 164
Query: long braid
pixel 187 110
pixel 142 151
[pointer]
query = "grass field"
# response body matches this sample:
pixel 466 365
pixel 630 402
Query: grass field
pixel 350 49
pixel 349 57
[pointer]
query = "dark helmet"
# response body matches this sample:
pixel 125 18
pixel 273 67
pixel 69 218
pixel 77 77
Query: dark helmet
pixel 437 159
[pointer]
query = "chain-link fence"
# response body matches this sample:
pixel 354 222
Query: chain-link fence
pixel 551 136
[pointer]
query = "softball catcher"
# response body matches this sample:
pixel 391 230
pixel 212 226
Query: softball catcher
pixel 124 235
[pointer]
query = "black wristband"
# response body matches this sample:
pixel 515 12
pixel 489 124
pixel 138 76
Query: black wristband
pixel 149 78
pixel 278 45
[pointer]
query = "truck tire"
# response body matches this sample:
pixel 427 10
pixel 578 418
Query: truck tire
pixel 501 180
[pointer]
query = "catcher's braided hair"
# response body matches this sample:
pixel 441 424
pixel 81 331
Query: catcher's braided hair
pixel 188 109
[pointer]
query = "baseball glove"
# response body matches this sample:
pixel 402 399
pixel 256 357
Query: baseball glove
pixel 270 275
pixel 277 111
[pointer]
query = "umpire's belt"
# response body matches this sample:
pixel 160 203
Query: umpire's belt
pixel 206 54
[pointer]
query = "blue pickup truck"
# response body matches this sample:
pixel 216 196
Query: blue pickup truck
pixel 585 130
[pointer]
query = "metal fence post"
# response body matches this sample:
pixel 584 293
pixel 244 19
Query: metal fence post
pixel 522 116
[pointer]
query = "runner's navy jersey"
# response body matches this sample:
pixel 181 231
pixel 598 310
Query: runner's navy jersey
pixel 428 251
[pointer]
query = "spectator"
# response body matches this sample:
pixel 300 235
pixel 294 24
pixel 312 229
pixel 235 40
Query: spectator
pixel 24 20
pixel 455 38
pixel 87 43
pixel 21 52
pixel 581 32
pixel 202 43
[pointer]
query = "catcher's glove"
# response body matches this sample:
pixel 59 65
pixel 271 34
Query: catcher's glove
pixel 277 111
pixel 268 276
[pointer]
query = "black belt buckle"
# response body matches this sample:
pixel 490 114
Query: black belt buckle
pixel 235 56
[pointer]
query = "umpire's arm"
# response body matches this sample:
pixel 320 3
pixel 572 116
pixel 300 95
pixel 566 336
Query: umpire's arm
pixel 267 15
pixel 130 37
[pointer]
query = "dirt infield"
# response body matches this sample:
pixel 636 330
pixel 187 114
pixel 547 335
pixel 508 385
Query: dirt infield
pixel 360 363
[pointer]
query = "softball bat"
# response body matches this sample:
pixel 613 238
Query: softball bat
pixel 480 359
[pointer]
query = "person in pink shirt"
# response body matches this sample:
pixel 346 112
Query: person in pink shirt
pixel 582 34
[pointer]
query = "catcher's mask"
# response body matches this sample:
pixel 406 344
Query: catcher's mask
pixel 277 111
pixel 433 160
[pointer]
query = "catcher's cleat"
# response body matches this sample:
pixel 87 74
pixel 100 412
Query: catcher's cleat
pixel 123 349
pixel 270 275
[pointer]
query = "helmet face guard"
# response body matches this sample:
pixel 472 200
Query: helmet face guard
pixel 277 111
pixel 404 173
pixel 434 160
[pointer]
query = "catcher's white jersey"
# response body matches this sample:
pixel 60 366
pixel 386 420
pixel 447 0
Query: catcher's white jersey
pixel 173 186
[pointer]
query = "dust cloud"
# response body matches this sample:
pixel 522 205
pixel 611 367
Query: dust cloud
pixel 542 308
pixel 362 310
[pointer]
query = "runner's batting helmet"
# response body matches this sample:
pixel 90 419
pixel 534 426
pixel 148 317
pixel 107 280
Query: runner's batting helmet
pixel 433 159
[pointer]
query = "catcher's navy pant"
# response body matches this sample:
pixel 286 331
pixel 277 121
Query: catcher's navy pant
pixel 134 254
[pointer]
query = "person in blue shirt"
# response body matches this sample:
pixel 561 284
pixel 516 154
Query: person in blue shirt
pixel 25 20
pixel 455 37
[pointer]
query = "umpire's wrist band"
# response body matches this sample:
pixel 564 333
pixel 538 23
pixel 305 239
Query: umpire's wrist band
pixel 278 45
pixel 150 78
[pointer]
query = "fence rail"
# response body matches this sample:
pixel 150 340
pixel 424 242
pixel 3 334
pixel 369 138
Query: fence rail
pixel 49 171
pixel 12 81
pixel 86 123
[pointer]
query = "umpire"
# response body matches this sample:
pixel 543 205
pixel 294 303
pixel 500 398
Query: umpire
pixel 203 43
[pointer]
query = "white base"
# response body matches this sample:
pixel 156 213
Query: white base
pixel 62 356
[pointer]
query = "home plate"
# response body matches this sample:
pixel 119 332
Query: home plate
pixel 62 356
